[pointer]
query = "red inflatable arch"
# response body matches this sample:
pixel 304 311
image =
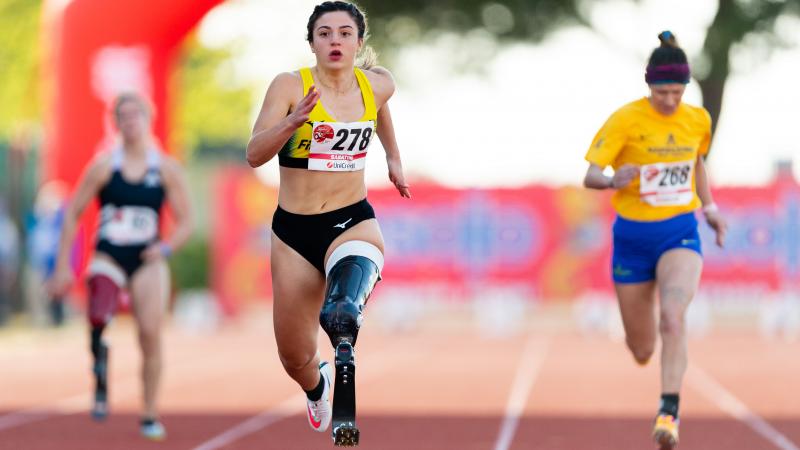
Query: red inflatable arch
pixel 96 49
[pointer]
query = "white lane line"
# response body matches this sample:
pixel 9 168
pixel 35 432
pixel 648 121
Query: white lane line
pixel 728 403
pixel 289 407
pixel 67 405
pixel 530 363
pixel 296 404
pixel 125 386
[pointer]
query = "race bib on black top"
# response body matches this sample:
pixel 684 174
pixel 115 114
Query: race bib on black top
pixel 128 225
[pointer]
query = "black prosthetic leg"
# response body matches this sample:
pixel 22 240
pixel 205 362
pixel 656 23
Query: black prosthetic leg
pixel 100 369
pixel 349 284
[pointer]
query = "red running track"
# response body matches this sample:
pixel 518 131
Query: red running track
pixel 438 386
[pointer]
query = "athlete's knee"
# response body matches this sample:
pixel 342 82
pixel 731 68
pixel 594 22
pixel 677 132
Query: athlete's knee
pixel 150 339
pixel 674 301
pixel 672 324
pixel 642 352
pixel 296 360
pixel 103 294
pixel 152 358
pixel 353 269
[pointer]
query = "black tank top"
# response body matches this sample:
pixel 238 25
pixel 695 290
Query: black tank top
pixel 130 212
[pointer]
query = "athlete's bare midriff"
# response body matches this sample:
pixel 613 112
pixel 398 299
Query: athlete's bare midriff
pixel 305 191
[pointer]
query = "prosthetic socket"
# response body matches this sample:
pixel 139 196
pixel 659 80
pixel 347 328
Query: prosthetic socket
pixel 350 283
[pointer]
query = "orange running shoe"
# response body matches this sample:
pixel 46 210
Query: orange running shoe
pixel 665 431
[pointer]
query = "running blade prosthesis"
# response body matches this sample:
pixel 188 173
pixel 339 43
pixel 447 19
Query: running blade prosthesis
pixel 345 431
pixel 99 410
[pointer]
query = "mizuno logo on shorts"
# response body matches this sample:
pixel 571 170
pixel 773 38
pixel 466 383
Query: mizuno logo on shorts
pixel 343 224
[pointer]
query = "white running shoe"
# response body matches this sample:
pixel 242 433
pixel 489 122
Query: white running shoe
pixel 320 412
pixel 152 429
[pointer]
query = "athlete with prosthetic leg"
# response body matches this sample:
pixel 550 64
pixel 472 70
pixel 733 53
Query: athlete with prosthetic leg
pixel 327 247
pixel 132 182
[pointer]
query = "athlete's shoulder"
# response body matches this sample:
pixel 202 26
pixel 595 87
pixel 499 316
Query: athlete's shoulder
pixel 625 113
pixel 102 161
pixel 285 84
pixel 633 108
pixel 379 71
pixel 171 169
pixel 381 80
pixel 288 79
pixel 169 162
pixel 698 113
pixel 100 167
pixel 285 89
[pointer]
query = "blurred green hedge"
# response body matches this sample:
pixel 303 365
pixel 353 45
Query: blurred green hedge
pixel 190 265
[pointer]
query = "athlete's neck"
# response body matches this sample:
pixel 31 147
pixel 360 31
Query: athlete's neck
pixel 340 81
pixel 662 110
pixel 135 148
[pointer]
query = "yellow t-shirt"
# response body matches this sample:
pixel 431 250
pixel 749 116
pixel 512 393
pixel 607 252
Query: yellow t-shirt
pixel 666 150
pixel 325 144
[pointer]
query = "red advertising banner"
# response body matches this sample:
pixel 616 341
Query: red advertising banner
pixel 550 243
pixel 96 49
pixel 91 61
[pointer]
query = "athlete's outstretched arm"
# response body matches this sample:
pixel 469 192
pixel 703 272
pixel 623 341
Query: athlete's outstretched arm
pixel 177 190
pixel 92 180
pixel 383 86
pixel 595 179
pixel 389 142
pixel 278 119
pixel 710 210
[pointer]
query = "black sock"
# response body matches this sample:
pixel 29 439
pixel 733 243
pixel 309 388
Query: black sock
pixel 316 393
pixel 669 404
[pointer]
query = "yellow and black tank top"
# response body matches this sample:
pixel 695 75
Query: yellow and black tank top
pixel 323 143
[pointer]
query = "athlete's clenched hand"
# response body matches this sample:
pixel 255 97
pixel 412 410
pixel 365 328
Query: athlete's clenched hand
pixel 303 108
pixel 60 283
pixel 624 175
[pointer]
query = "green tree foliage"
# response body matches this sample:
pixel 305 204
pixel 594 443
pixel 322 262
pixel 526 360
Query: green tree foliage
pixel 20 94
pixel 212 110
pixel 189 266
pixel 531 20
pixel 735 21
pixel 514 19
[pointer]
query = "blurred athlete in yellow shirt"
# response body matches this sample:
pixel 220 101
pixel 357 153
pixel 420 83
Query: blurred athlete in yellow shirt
pixel 656 147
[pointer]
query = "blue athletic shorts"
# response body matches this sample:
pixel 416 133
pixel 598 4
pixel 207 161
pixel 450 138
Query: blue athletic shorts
pixel 639 245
